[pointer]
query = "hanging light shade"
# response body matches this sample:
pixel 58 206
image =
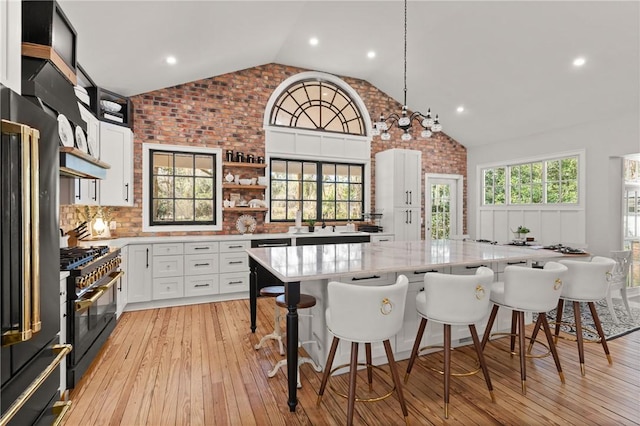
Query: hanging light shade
pixel 404 120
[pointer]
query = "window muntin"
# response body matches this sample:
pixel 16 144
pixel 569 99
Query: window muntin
pixel 183 188
pixel 317 105
pixel 541 182
pixel 333 191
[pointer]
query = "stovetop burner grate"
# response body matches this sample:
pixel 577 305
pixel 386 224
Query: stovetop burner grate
pixel 74 257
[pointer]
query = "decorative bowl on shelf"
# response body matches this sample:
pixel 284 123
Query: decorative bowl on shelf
pixel 245 181
pixel 110 106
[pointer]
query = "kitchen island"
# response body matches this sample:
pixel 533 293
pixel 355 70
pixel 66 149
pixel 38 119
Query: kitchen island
pixel 365 264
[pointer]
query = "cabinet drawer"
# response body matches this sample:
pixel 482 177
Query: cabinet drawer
pixel 167 249
pixel 470 269
pixel 380 238
pixel 168 266
pixel 168 288
pixel 200 264
pixel 234 262
pixel 369 279
pixel 237 246
pixel 200 248
pixel 418 274
pixel 201 285
pixel 234 282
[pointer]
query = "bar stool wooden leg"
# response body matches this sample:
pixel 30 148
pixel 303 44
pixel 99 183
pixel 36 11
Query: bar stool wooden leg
pixel 579 338
pixel 447 367
pixel 327 370
pixel 559 311
pixel 534 334
pixel 481 360
pixel 514 319
pixel 521 339
pixel 416 348
pixel 542 318
pixel 487 331
pixel 603 340
pixel 396 379
pixel 353 372
pixel 367 348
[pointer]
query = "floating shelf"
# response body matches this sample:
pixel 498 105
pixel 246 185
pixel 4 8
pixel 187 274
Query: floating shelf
pixel 247 165
pixel 245 209
pixel 234 186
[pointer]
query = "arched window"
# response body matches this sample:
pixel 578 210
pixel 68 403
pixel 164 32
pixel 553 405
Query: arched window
pixel 317 104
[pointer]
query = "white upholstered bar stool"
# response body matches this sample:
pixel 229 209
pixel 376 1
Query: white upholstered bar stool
pixel 363 314
pixel 453 300
pixel 618 281
pixel 528 290
pixel 585 282
pixel 276 334
pixel 306 301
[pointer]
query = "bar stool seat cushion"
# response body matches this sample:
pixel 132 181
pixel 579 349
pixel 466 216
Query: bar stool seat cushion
pixel 272 291
pixel 306 301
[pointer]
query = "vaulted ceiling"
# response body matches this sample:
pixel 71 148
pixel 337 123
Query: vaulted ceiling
pixel 509 63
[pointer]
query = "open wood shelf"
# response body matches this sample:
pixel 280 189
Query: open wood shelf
pixel 234 186
pixel 246 165
pixel 245 209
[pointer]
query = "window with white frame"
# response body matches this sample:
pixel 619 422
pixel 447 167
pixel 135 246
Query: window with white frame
pixel 551 181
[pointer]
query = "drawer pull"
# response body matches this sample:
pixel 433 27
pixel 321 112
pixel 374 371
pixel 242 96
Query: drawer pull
pixel 373 277
pixel 236 246
pixel 235 282
pixel 201 264
pixel 235 262
pixel 424 272
pixel 475 266
pixel 517 263
pixel 202 285
pixel 202 248
pixel 273 245
pixel 381 240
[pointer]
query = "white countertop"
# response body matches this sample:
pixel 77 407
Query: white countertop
pixel 303 263
pixel 121 242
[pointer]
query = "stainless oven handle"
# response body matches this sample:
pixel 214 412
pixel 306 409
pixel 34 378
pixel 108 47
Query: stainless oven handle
pixel 61 352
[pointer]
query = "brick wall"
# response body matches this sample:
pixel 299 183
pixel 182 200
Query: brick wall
pixel 227 112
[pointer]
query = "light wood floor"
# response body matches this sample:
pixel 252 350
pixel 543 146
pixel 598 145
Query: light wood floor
pixel 195 365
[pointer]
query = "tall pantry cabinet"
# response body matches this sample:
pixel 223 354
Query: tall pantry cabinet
pixel 398 192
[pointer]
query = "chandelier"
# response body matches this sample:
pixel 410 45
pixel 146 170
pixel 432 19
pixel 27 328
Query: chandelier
pixel 404 120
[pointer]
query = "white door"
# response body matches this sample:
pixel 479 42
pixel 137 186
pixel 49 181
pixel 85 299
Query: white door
pixel 443 206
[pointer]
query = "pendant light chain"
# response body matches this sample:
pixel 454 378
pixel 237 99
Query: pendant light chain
pixel 405 53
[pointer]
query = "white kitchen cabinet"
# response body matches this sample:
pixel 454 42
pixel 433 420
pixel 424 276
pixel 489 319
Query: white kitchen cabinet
pixel 139 272
pixel 399 193
pixel 116 149
pixel 121 295
pixel 11 44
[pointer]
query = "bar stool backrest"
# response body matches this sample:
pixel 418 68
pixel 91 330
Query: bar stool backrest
pixel 458 299
pixel 534 290
pixel 587 281
pixel 366 314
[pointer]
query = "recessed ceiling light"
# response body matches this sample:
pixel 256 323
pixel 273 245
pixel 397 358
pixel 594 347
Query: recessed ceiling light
pixel 313 41
pixel 371 54
pixel 578 62
pixel 460 109
pixel 171 60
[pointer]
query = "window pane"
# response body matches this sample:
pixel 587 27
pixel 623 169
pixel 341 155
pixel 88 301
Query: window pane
pixel 204 188
pixel 292 208
pixel 309 210
pixel 328 191
pixel 355 211
pixel 553 192
pixel 293 191
pixel 569 192
pixel 278 210
pixel 356 174
pixel 536 172
pixel 342 211
pixel 163 187
pixel 309 191
pixel 162 164
pixel 294 170
pixel 163 210
pixel 278 170
pixel 342 172
pixel 204 165
pixel 342 191
pixel 278 190
pixel 355 192
pixel 184 187
pixel 309 172
pixel 184 164
pixel 553 170
pixel 569 168
pixel 184 210
pixel 536 193
pixel 328 211
pixel 204 210
pixel 328 172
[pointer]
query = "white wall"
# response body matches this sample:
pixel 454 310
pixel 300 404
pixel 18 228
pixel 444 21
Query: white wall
pixel 604 142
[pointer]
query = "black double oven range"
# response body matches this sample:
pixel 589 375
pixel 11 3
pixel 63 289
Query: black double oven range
pixel 91 290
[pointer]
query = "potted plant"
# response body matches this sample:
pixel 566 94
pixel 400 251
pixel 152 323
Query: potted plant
pixel 312 224
pixel 521 232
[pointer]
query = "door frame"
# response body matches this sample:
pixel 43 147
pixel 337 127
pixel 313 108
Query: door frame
pixel 458 181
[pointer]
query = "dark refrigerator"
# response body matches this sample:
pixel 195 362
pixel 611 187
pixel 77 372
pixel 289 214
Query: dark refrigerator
pixel 29 248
